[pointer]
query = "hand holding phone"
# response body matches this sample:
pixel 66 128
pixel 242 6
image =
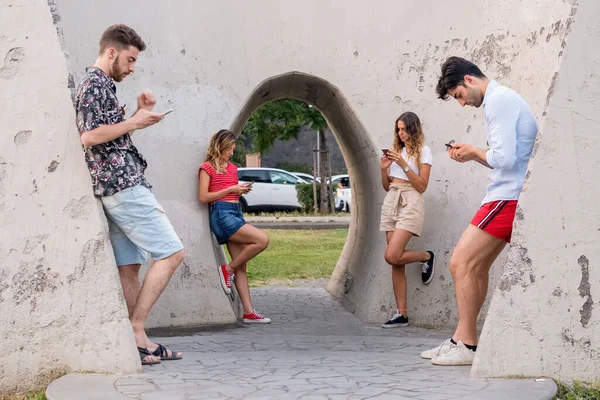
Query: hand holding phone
pixel 385 161
pixel 242 188
pixel 144 118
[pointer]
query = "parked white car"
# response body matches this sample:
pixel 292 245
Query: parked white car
pixel 272 190
pixel 307 177
pixel 343 193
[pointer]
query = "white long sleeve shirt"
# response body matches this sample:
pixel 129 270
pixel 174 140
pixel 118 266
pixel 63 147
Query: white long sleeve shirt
pixel 511 129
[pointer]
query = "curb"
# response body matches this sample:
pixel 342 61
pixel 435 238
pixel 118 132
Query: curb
pixel 94 386
pixel 317 222
pixel 102 387
pixel 299 225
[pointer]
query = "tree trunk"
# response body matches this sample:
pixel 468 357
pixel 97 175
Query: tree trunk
pixel 314 182
pixel 330 174
pixel 324 207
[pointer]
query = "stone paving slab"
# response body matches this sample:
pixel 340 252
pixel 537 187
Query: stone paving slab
pixel 314 349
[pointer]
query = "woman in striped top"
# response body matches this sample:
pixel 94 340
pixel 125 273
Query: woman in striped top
pixel 219 187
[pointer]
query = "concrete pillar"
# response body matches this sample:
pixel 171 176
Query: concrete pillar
pixel 61 303
pixel 544 317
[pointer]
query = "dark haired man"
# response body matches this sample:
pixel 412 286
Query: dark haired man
pixel 137 223
pixel 511 130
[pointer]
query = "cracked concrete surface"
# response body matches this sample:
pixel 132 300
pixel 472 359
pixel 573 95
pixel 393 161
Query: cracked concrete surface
pixel 314 349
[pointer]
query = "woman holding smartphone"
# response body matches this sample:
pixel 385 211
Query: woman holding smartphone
pixel 218 186
pixel 405 173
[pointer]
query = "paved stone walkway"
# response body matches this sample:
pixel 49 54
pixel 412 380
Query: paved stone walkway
pixel 314 349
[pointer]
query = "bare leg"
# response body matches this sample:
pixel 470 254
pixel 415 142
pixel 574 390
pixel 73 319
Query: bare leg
pixel 396 253
pixel 470 263
pixel 398 257
pixel 398 274
pixel 156 280
pixel 400 289
pixel 254 240
pixel 130 280
pixel 484 282
pixel 241 279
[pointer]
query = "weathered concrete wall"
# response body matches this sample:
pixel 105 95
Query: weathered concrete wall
pixel 205 58
pixel 61 304
pixel 174 149
pixel 544 318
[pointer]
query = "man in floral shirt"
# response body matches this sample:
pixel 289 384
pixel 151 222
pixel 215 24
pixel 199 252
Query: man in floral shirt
pixel 137 223
pixel 114 165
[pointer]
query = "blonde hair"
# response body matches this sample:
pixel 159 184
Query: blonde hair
pixel 219 143
pixel 416 137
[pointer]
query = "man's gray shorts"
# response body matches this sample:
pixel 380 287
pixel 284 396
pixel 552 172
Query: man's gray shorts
pixel 138 226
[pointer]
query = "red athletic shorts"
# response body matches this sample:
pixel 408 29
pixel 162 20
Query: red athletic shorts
pixel 496 218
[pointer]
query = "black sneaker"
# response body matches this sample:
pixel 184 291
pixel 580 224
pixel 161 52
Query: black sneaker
pixel 396 321
pixel 428 269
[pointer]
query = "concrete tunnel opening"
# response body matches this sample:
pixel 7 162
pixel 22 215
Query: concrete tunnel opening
pixel 357 149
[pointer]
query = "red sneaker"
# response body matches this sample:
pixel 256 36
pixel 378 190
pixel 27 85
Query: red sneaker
pixel 255 318
pixel 225 278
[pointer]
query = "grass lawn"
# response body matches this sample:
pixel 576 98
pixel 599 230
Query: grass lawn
pixel 579 391
pixel 297 254
pixel 40 395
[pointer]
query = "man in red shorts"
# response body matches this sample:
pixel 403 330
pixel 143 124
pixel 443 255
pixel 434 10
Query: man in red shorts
pixel 511 129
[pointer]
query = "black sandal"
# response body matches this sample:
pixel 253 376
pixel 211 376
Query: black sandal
pixel 161 351
pixel 145 353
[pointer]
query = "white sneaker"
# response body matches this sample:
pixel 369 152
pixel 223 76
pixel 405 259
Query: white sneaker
pixel 441 349
pixel 457 355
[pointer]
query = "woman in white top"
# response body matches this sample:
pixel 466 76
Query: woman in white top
pixel 405 173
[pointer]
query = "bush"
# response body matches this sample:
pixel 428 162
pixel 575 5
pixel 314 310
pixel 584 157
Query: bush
pixel 305 197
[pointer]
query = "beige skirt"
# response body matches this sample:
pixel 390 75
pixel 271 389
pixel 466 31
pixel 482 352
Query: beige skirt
pixel 403 208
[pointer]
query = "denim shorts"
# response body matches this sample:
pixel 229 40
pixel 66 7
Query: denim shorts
pixel 225 219
pixel 138 226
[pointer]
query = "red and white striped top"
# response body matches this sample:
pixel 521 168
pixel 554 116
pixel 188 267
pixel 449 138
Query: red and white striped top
pixel 221 181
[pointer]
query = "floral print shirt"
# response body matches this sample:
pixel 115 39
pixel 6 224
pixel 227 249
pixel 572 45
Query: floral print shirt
pixel 114 165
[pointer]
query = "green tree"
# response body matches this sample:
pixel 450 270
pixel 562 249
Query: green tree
pixel 241 150
pixel 283 120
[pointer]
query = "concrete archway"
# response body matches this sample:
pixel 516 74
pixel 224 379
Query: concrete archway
pixel 354 278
